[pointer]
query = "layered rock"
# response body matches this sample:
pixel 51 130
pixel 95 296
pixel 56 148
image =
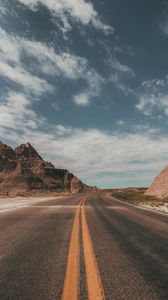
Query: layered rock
pixel 26 150
pixel 24 170
pixel 159 187
pixel 6 151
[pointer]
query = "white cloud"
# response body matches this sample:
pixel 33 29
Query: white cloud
pixel 12 47
pixel 9 47
pixel 27 80
pixel 141 104
pixel 95 82
pixel 117 82
pixel 46 62
pixel 146 104
pixel 83 99
pixel 62 130
pixel 67 65
pixel 94 154
pixel 154 97
pixel 11 66
pixel 16 112
pixel 150 131
pixel 90 153
pixel 154 83
pixel 78 10
pixel 120 68
pixel 119 72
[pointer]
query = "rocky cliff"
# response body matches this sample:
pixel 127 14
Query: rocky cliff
pixel 22 170
pixel 159 187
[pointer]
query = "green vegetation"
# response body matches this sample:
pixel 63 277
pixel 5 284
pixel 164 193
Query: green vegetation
pixel 136 196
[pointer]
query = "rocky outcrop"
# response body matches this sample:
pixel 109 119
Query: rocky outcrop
pixel 26 150
pixel 159 187
pixel 24 170
pixel 6 151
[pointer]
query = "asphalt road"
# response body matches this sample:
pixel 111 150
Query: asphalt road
pixel 83 247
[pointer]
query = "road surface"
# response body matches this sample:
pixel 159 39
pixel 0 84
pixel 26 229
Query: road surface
pixel 83 247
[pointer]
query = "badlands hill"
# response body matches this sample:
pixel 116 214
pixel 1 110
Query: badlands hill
pixel 159 187
pixel 22 170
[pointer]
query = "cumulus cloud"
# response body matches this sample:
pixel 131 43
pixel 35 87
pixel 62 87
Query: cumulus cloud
pixel 76 10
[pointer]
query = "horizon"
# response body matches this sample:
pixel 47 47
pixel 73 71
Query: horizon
pixel 86 83
pixel 27 144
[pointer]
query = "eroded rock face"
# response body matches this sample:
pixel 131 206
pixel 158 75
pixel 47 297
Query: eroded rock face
pixel 6 151
pixel 26 150
pixel 159 187
pixel 23 169
pixel 76 185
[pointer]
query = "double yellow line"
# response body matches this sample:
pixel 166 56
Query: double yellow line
pixel 71 289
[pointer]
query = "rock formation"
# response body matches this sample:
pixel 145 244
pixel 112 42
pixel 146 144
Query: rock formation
pixel 159 187
pixel 23 170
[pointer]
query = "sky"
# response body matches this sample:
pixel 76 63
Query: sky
pixel 86 83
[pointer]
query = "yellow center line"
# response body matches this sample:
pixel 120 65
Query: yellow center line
pixel 71 289
pixel 95 288
pixel 71 284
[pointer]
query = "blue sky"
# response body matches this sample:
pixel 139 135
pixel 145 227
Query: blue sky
pixel 86 82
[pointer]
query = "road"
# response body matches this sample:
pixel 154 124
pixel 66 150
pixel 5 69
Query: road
pixel 87 246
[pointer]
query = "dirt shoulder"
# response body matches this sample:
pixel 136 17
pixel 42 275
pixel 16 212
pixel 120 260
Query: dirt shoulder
pixel 137 197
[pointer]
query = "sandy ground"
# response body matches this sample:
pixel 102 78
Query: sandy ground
pixel 19 202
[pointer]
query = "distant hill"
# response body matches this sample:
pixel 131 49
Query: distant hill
pixel 159 187
pixel 22 170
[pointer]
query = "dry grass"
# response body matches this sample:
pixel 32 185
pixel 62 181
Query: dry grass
pixel 137 196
